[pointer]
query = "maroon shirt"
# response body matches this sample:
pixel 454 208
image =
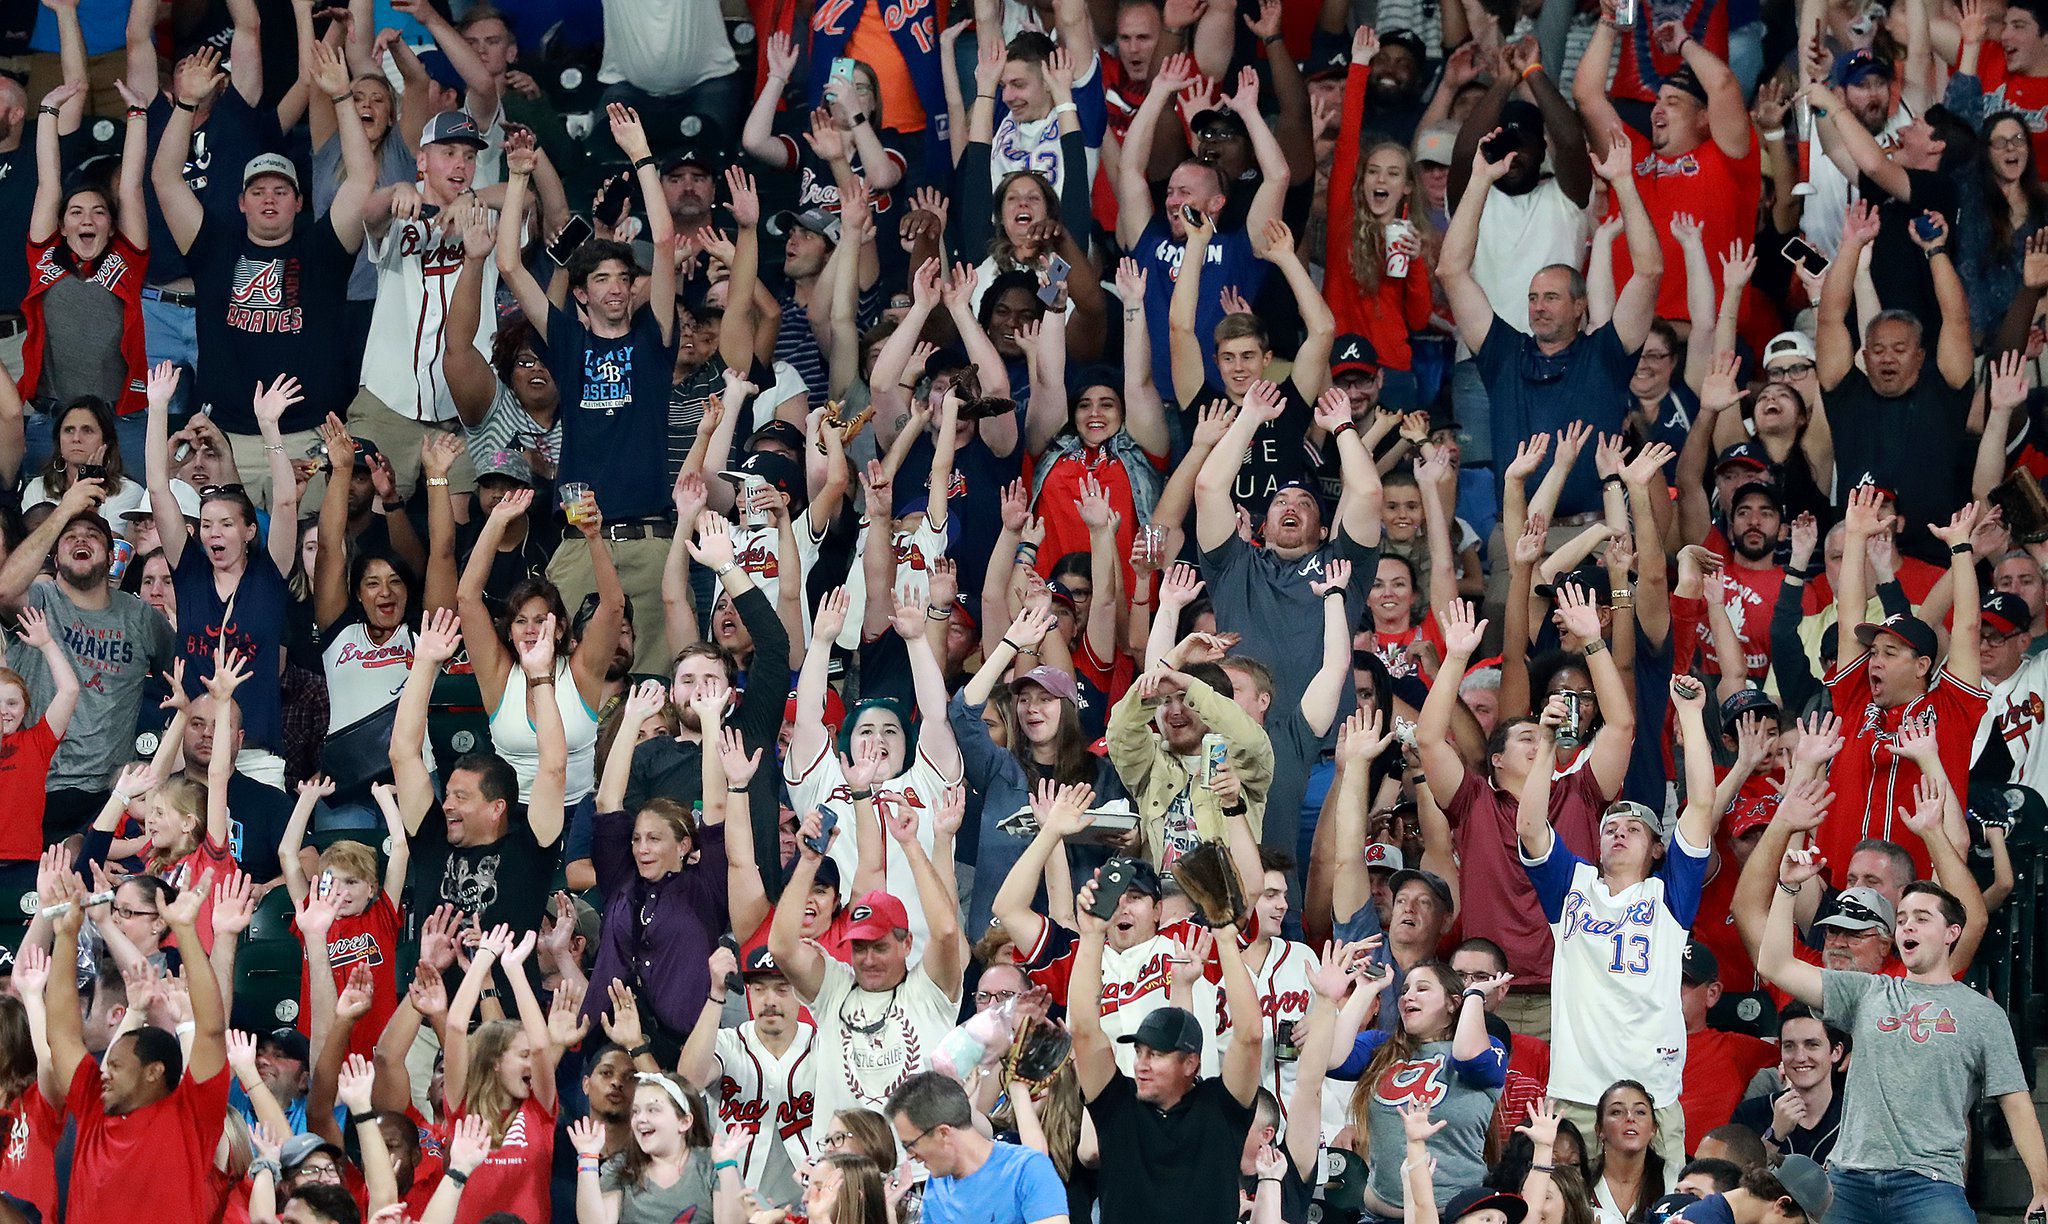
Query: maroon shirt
pixel 1506 911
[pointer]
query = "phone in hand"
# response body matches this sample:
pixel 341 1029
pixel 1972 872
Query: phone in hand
pixel 1056 270
pixel 92 471
pixel 1926 229
pixel 1190 214
pixel 828 820
pixel 842 69
pixel 573 235
pixel 1497 146
pixel 1801 254
pixel 1110 885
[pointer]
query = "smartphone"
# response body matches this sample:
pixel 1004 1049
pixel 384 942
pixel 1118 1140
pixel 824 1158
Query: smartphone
pixel 1056 270
pixel 573 235
pixel 1802 254
pixel 1925 228
pixel 1215 757
pixel 1500 144
pixel 1189 214
pixel 92 471
pixel 842 69
pixel 1110 884
pixel 828 820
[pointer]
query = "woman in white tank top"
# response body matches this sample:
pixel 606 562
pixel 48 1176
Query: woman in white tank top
pixel 492 642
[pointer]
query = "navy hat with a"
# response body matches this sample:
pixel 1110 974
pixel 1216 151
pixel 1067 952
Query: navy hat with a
pixel 1745 701
pixel 2006 613
pixel 1854 67
pixel 1354 353
pixel 453 127
pixel 1914 632
pixel 1748 454
pixel 1480 1198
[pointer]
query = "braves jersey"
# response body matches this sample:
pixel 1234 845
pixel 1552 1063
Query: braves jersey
pixel 418 263
pixel 921 787
pixel 1870 781
pixel 1615 972
pixel 769 1098
pixel 2017 713
pixel 1134 983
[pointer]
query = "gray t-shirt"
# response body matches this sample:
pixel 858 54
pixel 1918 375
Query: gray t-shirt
pixel 115 651
pixel 82 324
pixel 1268 601
pixel 655 1205
pixel 1925 1055
pixel 395 164
pixel 1459 1094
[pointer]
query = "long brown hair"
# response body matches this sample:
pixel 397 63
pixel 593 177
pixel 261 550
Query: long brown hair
pixel 1399 1047
pixel 483 1092
pixel 860 1199
pixel 1369 234
pixel 696 1129
pixel 1059 1116
pixel 1651 1187
pixel 871 1135
pixel 56 472
pixel 1071 761
pixel 17 1051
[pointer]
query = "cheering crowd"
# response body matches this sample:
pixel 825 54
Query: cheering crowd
pixel 1371 611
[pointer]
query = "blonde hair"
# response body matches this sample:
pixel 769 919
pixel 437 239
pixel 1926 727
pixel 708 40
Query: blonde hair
pixel 188 799
pixel 483 1093
pixel 350 858
pixel 1369 233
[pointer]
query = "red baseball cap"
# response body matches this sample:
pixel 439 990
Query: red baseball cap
pixel 1745 815
pixel 835 709
pixel 876 916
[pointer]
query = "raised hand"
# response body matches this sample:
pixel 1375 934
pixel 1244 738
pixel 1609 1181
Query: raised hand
pixel 1462 634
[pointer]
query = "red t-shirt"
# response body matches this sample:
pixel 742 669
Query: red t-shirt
pixel 514 1177
pixel 2027 96
pixel 1527 1084
pixel 1714 924
pixel 1718 1067
pixel 1871 783
pixel 164 1151
pixel 120 270
pixel 1720 190
pixel 209 854
pixel 24 781
pixel 1752 595
pixel 28 1168
pixel 370 937
pixel 1397 306
pixel 1915 577
pixel 1506 911
pixel 1058 503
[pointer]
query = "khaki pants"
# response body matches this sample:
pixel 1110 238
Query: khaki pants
pixel 639 563
pixel 253 464
pixel 1527 1012
pixel 46 71
pixel 1669 1143
pixel 399 437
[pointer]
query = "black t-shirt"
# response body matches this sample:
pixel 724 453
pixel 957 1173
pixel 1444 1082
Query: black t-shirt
pixel 1898 267
pixel 1295 1193
pixel 233 133
pixel 614 411
pixel 1914 444
pixel 1816 1141
pixel 1279 452
pixel 17 201
pixel 508 880
pixel 266 311
pixel 257 815
pixel 509 567
pixel 1178 1164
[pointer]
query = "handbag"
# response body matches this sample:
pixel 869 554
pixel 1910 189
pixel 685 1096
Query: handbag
pixel 360 753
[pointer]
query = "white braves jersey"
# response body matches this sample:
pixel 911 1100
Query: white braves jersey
pixel 921 786
pixel 770 1098
pixel 418 263
pixel 1134 985
pixel 759 552
pixel 1285 995
pixel 1614 975
pixel 2018 714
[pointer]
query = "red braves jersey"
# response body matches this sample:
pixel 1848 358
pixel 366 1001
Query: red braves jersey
pixel 1870 782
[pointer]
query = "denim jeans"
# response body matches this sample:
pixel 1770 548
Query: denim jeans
pixel 1896 1196
pixel 171 333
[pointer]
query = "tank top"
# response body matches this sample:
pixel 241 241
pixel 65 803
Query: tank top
pixel 514 738
pixel 362 676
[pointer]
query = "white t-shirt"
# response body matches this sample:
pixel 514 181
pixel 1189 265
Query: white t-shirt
pixel 129 496
pixel 869 1043
pixel 362 676
pixel 770 1099
pixel 1519 236
pixel 922 787
pixel 664 47
pixel 418 263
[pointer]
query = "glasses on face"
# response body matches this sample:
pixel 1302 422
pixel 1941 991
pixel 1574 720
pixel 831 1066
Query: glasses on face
pixel 1647 355
pixel 1793 369
pixel 988 998
pixel 2003 144
pixel 126 912
pixel 834 1140
pixel 318 1170
pixel 910 1145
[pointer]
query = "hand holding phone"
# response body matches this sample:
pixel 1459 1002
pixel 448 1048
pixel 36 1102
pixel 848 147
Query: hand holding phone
pixel 1110 885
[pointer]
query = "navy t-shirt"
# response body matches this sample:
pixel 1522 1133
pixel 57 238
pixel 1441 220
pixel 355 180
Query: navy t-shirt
pixel 974 504
pixel 614 411
pixel 1230 262
pixel 255 626
pixel 1530 392
pixel 265 311
pixel 233 133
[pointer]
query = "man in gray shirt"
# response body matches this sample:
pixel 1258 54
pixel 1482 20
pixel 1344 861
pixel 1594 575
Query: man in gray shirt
pixel 1928 1048
pixel 116 641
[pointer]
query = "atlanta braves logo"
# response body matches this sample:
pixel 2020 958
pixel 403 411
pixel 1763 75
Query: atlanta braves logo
pixel 1918 1025
pixel 1420 1080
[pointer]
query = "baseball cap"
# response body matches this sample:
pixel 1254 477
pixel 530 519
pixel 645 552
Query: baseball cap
pixel 1407 40
pixel 1219 116
pixel 1748 454
pixel 1060 594
pixel 876 916
pixel 835 711
pixel 816 220
pixel 1861 909
pixel 778 469
pixel 1869 480
pixel 1145 879
pixel 1386 856
pixel 1746 701
pixel 453 127
pixel 759 962
pixel 1914 632
pixel 1590 578
pixel 270 163
pixel 2005 612
pixel 509 464
pixel 1480 1198
pixel 290 1042
pixel 1787 347
pixel 365 451
pixel 589 923
pixel 1701 966
pixel 93 520
pixel 1435 882
pixel 1434 142
pixel 781 433
pixel 182 492
pixel 1631 810
pixel 1758 488
pixel 300 1148
pixel 1054 681
pixel 1807 1183
pixel 1670 1205
pixel 1354 354
pixel 1172 1030
pixel 1860 65
pixel 1749 813
pixel 1328 56
pixel 1687 82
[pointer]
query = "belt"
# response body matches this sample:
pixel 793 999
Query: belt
pixel 1578 520
pixel 12 325
pixel 643 529
pixel 175 297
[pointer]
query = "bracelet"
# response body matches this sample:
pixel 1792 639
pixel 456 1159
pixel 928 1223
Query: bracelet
pixel 1790 890
pixel 1347 425
pixel 1622 603
pixel 342 99
pixel 186 1028
pixel 1957 550
pixel 1623 593
pixel 437 482
pixel 539 682
pixel 1472 993
pixel 938 614
pixel 1612 478
pixel 645 1047
pixel 455 1175
pixel 1333 593
pixel 1270 39
pixel 390 507
pixel 720 1165
pixel 1014 647
pixel 641 163
pixel 1141 603
pixel 738 790
pixel 1931 252
pixel 905 386
pixel 137 112
pixel 1531 70
pixel 1594 647
pixel 1542 1168
pixel 46 110
pixel 586 1164
pixel 727 568
pixel 1264 1180
pixel 183 105
pixel 1066 108
pixel 274 446
pixel 859 795
pixel 1776 133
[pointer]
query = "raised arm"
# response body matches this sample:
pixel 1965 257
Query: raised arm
pixel 1774 955
pixel 1469 304
pixel 661 292
pixel 1635 307
pixel 1094 1056
pixel 433 645
pixel 512 271
pixel 1834 348
pixel 1442 768
pixel 1133 190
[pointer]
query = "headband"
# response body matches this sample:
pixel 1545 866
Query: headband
pixel 675 1092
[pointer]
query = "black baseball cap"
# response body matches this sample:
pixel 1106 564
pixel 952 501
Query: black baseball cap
pixel 1701 966
pixel 1747 701
pixel 1354 353
pixel 1590 578
pixel 1758 488
pixel 1749 454
pixel 1911 630
pixel 782 433
pixel 290 1042
pixel 2005 612
pixel 1480 1198
pixel 1170 1030
pixel 1145 879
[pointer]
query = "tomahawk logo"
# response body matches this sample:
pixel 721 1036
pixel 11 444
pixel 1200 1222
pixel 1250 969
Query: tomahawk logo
pixel 1918 1025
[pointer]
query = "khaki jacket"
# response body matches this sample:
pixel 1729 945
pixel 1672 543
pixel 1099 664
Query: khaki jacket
pixel 1155 776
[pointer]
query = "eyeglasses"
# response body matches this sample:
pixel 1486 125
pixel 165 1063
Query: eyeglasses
pixel 2003 143
pixel 984 998
pixel 321 1171
pixel 125 912
pixel 834 1140
pixel 910 1145
pixel 1795 369
pixel 1647 355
